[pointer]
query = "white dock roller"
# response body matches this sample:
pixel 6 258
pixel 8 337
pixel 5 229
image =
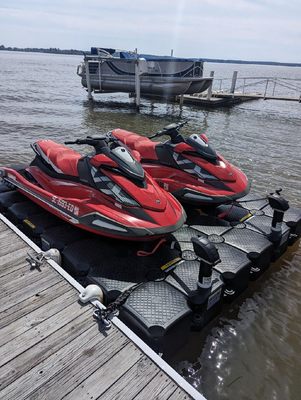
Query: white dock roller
pixel 53 254
pixel 91 292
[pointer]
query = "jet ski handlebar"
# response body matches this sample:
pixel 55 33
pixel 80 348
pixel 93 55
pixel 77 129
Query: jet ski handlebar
pixel 171 130
pixel 97 142
pixel 88 140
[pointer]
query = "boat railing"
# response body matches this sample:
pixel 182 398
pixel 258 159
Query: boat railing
pixel 266 86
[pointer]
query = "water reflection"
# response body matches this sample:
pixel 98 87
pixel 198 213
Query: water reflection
pixel 253 350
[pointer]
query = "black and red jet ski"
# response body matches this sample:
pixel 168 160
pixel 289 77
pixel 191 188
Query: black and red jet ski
pixel 107 192
pixel 188 167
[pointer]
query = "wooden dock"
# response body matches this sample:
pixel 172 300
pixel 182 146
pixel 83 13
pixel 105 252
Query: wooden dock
pixel 51 347
pixel 226 92
pixel 229 99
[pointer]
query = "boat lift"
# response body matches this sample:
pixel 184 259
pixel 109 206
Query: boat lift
pixel 140 69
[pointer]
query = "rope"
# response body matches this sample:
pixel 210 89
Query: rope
pixel 225 213
pixel 142 253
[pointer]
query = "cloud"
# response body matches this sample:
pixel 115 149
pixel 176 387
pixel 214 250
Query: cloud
pixel 248 29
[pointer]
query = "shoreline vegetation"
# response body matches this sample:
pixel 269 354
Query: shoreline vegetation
pixel 55 50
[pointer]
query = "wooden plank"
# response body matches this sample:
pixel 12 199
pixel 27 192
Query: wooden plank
pixel 3 226
pixel 105 376
pixel 26 290
pixel 179 394
pixel 19 274
pixel 14 255
pixel 50 346
pixel 161 387
pixel 6 234
pixel 36 317
pixel 13 269
pixel 8 237
pixel 34 335
pixel 12 261
pixel 10 245
pixel 32 303
pixel 25 278
pixel 24 283
pixel 133 381
pixel 23 386
pixel 90 360
pixel 85 345
pixel 6 280
pixel 27 360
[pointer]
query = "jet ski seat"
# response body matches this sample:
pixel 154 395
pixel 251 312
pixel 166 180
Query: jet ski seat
pixel 143 145
pixel 61 158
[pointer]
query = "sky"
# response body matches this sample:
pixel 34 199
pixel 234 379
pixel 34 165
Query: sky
pixel 267 30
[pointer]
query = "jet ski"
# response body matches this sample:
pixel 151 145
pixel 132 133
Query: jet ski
pixel 188 167
pixel 106 192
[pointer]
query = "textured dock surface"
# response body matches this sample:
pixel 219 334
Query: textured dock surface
pixel 50 346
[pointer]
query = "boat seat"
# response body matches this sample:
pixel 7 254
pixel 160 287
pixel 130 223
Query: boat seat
pixel 62 159
pixel 143 145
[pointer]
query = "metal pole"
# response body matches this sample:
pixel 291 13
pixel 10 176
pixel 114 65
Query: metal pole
pixel 275 81
pixel 266 88
pixel 233 84
pixel 99 75
pixel 181 100
pixel 171 53
pixel 243 89
pixel 88 80
pixel 209 91
pixel 137 84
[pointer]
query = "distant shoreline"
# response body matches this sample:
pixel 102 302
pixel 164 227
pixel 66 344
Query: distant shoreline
pixel 54 50
pixel 51 50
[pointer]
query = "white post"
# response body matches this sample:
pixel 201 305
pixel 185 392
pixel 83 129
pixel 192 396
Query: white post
pixel 266 88
pixel 209 91
pixel 137 84
pixel 99 75
pixel 88 80
pixel 233 84
pixel 275 81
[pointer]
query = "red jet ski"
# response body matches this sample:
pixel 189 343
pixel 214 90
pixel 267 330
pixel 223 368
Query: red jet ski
pixel 107 192
pixel 189 167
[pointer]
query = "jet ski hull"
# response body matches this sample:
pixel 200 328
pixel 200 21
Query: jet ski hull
pixel 85 208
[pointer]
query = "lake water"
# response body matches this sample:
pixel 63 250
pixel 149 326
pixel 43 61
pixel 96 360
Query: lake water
pixel 253 351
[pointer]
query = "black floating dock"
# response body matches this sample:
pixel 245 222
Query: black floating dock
pixel 161 285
